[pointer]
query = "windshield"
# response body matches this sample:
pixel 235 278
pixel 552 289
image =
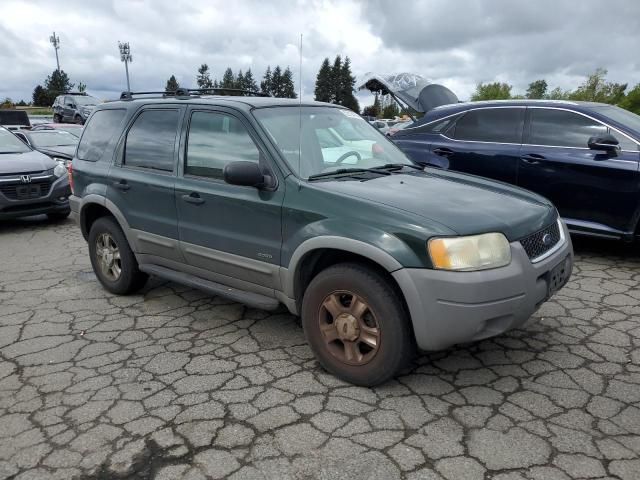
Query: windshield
pixel 45 138
pixel 9 143
pixel 331 139
pixel 617 114
pixel 86 100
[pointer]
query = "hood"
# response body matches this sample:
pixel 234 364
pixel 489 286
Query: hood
pixel 411 89
pixel 28 162
pixel 466 204
pixel 66 151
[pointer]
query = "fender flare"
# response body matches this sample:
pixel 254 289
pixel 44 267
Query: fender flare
pixel 114 210
pixel 358 247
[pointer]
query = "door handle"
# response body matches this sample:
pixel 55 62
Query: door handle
pixel 443 152
pixel 194 198
pixel 532 158
pixel 122 185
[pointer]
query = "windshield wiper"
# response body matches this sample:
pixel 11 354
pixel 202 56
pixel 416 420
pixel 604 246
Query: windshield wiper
pixel 342 171
pixel 396 166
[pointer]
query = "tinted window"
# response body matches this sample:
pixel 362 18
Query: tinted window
pixel 491 125
pixel 98 132
pixel 625 142
pixel 216 139
pixel 561 128
pixel 151 140
pixel 438 126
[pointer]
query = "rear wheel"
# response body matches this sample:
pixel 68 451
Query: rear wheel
pixel 356 324
pixel 112 259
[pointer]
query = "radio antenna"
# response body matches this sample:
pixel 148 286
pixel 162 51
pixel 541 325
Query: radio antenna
pixel 300 109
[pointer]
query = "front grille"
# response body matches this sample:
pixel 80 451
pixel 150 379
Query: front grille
pixel 535 244
pixel 17 190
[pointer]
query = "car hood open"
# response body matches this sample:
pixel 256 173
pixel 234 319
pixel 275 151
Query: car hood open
pixel 28 162
pixel 466 204
pixel 410 88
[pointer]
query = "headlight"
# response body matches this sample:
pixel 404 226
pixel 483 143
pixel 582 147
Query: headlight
pixel 477 252
pixel 60 169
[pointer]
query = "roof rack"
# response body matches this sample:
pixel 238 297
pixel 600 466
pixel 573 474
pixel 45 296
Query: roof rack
pixel 183 93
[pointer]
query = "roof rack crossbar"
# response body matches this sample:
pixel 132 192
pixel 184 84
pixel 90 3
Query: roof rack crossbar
pixel 191 92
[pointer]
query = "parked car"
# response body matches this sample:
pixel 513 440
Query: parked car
pixel 397 127
pixel 584 157
pixel 384 125
pixel 30 183
pixel 57 144
pixel 238 197
pixel 14 119
pixel 72 128
pixel 73 107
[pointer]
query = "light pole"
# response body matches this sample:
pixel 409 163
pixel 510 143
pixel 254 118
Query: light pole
pixel 125 56
pixel 55 41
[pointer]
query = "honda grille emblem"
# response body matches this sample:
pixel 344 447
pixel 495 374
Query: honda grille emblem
pixel 546 239
pixel 25 178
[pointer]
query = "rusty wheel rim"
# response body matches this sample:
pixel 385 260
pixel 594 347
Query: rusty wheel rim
pixel 349 328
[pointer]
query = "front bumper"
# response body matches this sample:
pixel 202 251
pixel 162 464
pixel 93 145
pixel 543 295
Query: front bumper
pixel 454 307
pixel 55 201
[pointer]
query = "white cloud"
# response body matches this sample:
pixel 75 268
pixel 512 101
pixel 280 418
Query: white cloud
pixel 456 43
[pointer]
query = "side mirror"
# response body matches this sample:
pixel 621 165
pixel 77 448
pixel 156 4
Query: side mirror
pixel 247 174
pixel 606 142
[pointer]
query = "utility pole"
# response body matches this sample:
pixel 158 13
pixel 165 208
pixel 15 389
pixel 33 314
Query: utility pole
pixel 55 41
pixel 125 56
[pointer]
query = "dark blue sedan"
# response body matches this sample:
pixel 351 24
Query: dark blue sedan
pixel 582 156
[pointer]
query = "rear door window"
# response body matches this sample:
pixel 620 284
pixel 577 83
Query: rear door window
pixel 561 128
pixel 497 125
pixel 151 140
pixel 98 132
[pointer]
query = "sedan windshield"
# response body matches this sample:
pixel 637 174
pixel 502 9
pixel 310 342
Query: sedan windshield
pixel 52 138
pixel 9 143
pixel 317 140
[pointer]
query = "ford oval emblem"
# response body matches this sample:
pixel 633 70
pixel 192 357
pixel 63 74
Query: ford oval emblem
pixel 547 239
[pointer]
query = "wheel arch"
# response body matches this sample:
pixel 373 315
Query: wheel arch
pixel 94 207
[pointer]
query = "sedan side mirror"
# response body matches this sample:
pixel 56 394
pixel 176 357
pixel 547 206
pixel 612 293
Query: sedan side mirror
pixel 247 174
pixel 606 142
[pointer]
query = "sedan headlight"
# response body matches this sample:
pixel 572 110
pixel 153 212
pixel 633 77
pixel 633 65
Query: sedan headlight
pixel 476 252
pixel 60 170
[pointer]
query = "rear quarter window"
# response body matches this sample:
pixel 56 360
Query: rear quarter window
pixel 98 132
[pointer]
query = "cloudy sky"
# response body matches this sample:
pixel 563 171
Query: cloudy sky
pixel 456 43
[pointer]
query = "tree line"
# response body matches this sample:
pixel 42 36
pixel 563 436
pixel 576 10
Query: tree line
pixel 596 88
pixel 57 83
pixel 276 82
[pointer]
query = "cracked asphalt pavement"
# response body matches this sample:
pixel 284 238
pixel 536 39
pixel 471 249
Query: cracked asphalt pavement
pixel 175 384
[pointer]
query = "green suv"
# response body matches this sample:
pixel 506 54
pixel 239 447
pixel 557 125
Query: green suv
pixel 268 201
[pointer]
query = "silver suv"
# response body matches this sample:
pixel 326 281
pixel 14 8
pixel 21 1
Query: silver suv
pixel 73 108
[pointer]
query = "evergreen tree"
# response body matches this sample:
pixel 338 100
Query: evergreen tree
pixel 336 81
pixel 239 83
pixel 57 83
pixel 41 98
pixel 228 81
pixel 249 82
pixel 288 88
pixel 276 82
pixel 204 77
pixel 346 85
pixel 265 84
pixel 172 84
pixel 323 82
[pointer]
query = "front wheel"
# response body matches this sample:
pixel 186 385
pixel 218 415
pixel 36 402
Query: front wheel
pixel 78 120
pixel 112 259
pixel 57 118
pixel 356 324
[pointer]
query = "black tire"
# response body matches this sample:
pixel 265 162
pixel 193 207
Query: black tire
pixel 396 345
pixel 130 279
pixel 57 118
pixel 58 216
pixel 78 120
